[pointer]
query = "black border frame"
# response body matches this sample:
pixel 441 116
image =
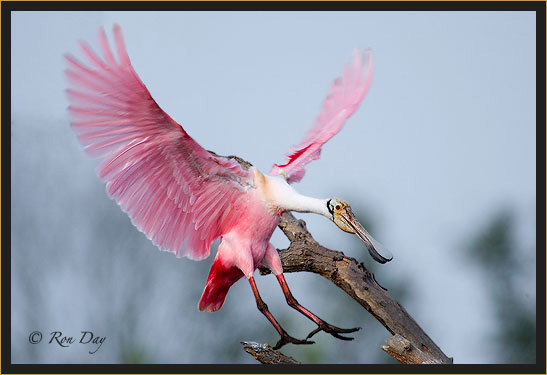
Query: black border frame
pixel 7 7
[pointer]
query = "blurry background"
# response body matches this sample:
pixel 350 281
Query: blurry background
pixel 438 162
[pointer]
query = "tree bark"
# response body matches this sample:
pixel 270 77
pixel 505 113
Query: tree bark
pixel 266 354
pixel 409 343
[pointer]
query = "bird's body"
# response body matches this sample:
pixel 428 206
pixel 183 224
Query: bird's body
pixel 244 247
pixel 183 197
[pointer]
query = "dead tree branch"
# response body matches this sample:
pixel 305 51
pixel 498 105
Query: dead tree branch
pixel 409 344
pixel 403 351
pixel 266 354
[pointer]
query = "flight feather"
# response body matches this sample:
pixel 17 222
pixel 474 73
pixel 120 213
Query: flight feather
pixel 345 95
pixel 180 195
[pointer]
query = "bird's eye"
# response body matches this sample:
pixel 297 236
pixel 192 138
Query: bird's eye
pixel 337 207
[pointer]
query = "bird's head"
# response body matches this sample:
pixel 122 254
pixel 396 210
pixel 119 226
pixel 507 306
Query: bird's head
pixel 343 217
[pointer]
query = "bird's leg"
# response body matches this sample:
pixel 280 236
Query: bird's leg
pixel 285 338
pixel 322 325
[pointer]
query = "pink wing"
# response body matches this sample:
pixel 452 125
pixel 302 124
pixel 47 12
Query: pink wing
pixel 178 194
pixel 344 97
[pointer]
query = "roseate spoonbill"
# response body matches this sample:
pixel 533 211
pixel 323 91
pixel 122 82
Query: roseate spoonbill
pixel 184 197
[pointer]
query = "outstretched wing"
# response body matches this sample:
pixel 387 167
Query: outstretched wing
pixel 344 97
pixel 178 194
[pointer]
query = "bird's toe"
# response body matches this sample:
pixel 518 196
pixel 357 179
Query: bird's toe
pixel 286 339
pixel 334 331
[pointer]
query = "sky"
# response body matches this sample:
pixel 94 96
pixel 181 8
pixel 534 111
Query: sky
pixel 444 139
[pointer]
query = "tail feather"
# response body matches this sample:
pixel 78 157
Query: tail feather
pixel 220 280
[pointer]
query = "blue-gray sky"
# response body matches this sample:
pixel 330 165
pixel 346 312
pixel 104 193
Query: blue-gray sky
pixel 444 138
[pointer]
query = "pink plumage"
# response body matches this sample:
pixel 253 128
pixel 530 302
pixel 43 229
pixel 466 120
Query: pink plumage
pixel 178 194
pixel 344 97
pixel 184 197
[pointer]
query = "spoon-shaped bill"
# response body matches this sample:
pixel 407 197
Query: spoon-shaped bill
pixel 378 252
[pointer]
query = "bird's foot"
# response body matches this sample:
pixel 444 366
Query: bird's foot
pixel 286 339
pixel 334 331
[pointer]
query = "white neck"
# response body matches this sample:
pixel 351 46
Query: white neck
pixel 278 194
pixel 302 203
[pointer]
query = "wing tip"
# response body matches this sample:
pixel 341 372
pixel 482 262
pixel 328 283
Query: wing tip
pixel 359 74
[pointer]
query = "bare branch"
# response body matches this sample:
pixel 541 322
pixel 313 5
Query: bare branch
pixel 403 351
pixel 410 343
pixel 266 354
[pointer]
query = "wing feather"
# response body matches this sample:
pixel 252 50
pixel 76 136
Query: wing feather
pixel 173 190
pixel 345 95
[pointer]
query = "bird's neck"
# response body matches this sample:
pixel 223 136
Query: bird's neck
pixel 280 196
pixel 302 203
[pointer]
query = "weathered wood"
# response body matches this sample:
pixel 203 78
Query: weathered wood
pixel 305 254
pixel 403 351
pixel 264 353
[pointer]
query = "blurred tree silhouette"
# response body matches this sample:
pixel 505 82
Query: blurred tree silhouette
pixel 501 257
